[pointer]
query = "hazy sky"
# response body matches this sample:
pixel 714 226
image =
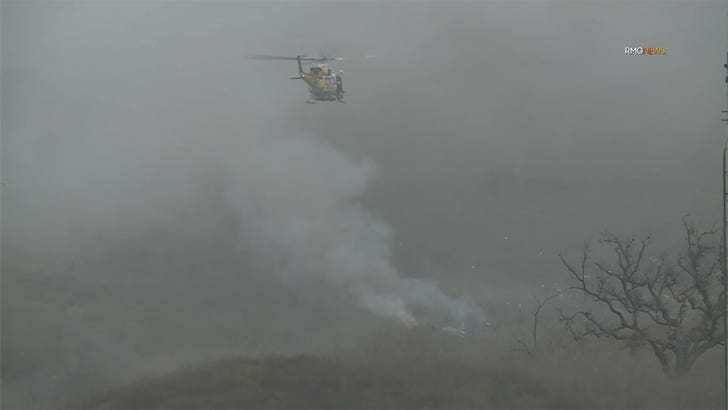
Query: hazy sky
pixel 158 182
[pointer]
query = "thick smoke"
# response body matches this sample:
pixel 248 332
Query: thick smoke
pixel 300 214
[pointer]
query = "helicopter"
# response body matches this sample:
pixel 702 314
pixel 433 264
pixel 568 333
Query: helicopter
pixel 323 85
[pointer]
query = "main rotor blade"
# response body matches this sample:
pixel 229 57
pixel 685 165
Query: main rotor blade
pixel 287 58
pixel 349 59
pixel 311 59
pixel 270 57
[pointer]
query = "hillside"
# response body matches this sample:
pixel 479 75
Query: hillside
pixel 516 381
pixel 311 382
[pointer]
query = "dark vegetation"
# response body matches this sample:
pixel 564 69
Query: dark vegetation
pixel 593 376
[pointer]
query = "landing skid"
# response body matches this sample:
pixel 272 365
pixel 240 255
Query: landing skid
pixel 314 102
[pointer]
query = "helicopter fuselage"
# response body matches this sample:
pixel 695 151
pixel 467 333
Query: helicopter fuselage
pixel 324 88
pixel 322 84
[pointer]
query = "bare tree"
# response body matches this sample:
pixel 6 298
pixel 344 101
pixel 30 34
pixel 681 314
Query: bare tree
pixel 534 335
pixel 678 308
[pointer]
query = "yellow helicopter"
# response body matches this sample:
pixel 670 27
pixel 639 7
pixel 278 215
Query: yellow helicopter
pixel 322 83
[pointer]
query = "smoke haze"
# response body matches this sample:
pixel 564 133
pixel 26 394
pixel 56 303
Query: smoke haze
pixel 166 200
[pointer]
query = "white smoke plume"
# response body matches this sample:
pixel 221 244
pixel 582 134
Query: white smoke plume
pixel 299 200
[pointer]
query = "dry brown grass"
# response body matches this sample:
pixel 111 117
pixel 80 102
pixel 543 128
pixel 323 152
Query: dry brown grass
pixel 405 373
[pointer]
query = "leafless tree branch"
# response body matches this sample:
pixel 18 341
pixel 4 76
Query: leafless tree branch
pixel 677 309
